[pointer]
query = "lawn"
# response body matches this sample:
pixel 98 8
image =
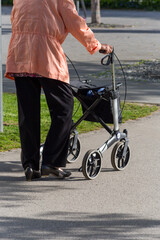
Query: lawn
pixel 9 139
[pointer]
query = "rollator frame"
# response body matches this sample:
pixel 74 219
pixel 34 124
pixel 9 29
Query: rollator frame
pixel 121 151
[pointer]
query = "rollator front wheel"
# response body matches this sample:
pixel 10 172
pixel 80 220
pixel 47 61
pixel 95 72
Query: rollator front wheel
pixel 118 162
pixel 73 149
pixel 91 165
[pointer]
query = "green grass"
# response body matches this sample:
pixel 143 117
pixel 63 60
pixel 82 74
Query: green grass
pixel 9 139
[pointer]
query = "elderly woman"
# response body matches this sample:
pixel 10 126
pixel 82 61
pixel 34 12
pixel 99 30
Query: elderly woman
pixel 35 60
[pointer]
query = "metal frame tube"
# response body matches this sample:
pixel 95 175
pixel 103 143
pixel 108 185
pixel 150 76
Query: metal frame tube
pixel 114 96
pixel 116 137
pixel 115 114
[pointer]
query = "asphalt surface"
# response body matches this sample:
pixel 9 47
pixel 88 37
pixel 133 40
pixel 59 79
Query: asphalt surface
pixel 117 204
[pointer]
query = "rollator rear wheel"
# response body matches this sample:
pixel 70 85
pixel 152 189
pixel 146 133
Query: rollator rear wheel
pixel 91 165
pixel 73 149
pixel 117 161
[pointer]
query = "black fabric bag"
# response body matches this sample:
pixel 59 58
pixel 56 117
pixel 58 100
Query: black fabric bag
pixel 104 107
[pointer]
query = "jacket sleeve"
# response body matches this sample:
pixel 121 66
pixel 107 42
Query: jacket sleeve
pixel 76 25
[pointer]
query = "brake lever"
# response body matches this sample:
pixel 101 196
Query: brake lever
pixel 108 56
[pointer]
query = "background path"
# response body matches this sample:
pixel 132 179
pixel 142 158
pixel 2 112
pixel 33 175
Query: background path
pixel 137 40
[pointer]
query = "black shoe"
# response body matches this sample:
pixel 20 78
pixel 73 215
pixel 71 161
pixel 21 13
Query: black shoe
pixel 36 174
pixel 46 170
pixel 31 174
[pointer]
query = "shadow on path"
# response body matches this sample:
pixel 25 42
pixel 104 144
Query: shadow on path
pixel 138 90
pixel 72 225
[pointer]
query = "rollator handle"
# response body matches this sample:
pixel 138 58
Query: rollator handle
pixel 108 57
pixel 102 51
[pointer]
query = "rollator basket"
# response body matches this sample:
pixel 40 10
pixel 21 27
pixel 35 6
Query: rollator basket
pixel 103 108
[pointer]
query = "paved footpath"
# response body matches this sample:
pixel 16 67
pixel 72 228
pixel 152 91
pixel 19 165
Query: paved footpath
pixel 116 205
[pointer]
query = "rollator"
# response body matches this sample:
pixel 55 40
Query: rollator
pixel 100 104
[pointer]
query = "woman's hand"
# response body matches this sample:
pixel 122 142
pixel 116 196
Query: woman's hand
pixel 106 49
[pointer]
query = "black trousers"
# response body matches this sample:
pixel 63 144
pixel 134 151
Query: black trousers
pixel 60 103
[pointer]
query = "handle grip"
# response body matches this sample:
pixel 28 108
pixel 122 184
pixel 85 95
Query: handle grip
pixel 102 51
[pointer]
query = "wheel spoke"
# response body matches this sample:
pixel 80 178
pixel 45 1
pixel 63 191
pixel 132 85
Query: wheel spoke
pixel 73 153
pixel 90 170
pixel 91 165
pixel 121 163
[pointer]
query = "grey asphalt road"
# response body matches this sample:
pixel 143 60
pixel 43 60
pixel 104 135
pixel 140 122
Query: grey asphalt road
pixel 121 205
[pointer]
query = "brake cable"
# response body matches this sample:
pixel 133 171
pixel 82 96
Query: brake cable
pixel 108 63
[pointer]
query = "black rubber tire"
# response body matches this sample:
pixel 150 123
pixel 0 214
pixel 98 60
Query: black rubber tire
pixel 116 156
pixel 91 165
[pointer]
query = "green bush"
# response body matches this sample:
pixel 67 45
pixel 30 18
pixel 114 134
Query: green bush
pixel 131 4
pixel 117 4
pixel 7 2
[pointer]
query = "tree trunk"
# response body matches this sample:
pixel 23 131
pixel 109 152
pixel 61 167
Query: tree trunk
pixel 95 11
